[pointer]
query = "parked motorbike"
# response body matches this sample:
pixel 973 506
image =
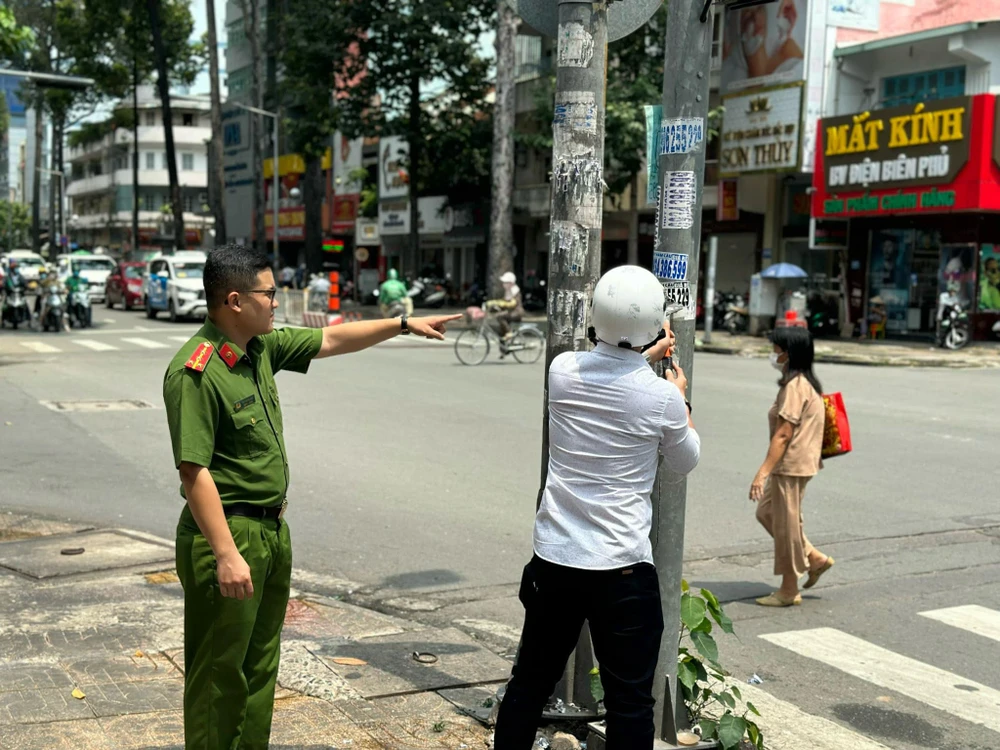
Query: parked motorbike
pixel 535 297
pixel 823 315
pixel 736 318
pixel 15 310
pixel 81 314
pixel 53 312
pixel 428 292
pixel 953 328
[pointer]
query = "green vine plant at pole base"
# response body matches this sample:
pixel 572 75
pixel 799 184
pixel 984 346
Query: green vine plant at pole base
pixel 703 679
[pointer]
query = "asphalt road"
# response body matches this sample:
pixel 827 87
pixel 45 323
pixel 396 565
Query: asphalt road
pixel 415 478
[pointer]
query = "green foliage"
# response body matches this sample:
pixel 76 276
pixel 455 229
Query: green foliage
pixel 713 704
pixel 596 687
pixel 95 132
pixel 15 40
pixel 14 225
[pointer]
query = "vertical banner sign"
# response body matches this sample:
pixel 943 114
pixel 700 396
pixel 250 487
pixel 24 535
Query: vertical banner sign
pixel 728 208
pixel 654 114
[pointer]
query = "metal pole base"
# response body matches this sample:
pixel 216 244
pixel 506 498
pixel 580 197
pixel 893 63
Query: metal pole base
pixel 596 740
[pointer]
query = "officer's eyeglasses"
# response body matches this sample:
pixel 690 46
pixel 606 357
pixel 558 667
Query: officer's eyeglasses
pixel 269 293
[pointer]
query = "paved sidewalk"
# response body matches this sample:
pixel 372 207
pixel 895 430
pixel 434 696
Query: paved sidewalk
pixel 91 656
pixel 874 353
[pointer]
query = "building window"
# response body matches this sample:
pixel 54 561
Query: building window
pixel 189 205
pixel 188 120
pixel 165 162
pixel 150 160
pixel 187 162
pixel 150 202
pixel 151 119
pixel 926 86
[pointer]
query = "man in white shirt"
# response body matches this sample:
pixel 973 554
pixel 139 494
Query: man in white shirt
pixel 609 418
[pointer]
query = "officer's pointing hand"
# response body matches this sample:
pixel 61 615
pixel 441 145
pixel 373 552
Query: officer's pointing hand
pixel 234 577
pixel 431 328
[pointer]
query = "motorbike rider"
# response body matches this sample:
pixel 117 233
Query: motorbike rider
pixel 14 279
pixel 610 417
pixel 76 282
pixel 510 309
pixel 393 290
pixel 48 282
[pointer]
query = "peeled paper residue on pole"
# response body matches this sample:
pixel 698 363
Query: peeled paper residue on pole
pixel 576 46
pixel 654 114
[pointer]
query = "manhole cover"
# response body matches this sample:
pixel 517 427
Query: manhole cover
pixel 125 404
pixel 103 550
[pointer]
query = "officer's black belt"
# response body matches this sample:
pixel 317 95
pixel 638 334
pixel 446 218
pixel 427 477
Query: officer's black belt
pixel 248 510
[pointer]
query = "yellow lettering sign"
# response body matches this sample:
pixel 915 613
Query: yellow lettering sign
pixel 921 128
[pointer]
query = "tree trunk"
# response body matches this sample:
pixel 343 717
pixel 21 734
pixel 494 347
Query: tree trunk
pixel 633 221
pixel 501 257
pixel 313 192
pixel 216 172
pixel 163 84
pixel 258 135
pixel 411 265
pixel 53 191
pixel 36 181
pixel 134 251
pixel 58 136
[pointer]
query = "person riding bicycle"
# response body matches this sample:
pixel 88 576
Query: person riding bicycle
pixel 392 291
pixel 510 309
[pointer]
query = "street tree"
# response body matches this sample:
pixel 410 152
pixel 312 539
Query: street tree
pixel 216 171
pixel 409 49
pixel 318 54
pixel 501 243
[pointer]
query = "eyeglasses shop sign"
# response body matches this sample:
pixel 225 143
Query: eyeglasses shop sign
pixel 760 131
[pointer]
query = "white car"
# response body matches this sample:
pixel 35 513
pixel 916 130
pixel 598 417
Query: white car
pixel 173 283
pixel 28 263
pixel 94 268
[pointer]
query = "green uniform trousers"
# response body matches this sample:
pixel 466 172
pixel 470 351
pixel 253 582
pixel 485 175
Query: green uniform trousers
pixel 232 647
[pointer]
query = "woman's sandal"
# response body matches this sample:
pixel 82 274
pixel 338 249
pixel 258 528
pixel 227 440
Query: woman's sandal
pixel 775 599
pixel 815 574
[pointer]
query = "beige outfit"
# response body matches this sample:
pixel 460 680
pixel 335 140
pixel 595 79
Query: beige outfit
pixel 780 510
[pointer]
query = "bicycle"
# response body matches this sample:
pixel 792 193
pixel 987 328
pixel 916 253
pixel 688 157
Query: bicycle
pixel 472 346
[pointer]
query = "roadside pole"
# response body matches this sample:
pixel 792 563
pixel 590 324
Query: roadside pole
pixel 687 61
pixel 713 256
pixel 575 227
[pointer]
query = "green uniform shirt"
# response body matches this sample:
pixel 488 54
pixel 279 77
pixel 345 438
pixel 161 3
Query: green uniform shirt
pixel 227 416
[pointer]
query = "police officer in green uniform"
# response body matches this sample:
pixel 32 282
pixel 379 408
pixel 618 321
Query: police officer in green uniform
pixel 234 556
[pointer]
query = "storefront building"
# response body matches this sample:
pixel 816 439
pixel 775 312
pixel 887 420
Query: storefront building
pixel 910 197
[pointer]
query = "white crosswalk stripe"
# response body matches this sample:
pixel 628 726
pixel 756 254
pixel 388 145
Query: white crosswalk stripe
pixel 96 346
pixel 943 690
pixel 181 339
pixel 145 343
pixel 40 347
pixel 971 617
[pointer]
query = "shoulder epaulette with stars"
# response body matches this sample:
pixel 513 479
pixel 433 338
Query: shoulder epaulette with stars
pixel 200 357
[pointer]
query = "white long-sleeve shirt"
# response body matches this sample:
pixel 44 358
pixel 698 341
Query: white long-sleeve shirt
pixel 609 417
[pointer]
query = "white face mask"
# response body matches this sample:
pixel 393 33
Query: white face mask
pixel 775 363
pixel 751 42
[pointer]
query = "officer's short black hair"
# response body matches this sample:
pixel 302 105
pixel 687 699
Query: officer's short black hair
pixel 231 268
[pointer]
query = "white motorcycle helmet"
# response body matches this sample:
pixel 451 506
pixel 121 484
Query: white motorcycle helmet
pixel 628 307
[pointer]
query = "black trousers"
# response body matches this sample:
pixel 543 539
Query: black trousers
pixel 626 622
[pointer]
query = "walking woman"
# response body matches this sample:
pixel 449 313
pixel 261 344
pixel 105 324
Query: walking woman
pixel 796 427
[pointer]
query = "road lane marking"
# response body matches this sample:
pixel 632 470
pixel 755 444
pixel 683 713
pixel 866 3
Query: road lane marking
pixel 146 343
pixel 787 727
pixel 182 339
pixel 108 320
pixel 97 346
pixel 497 629
pixel 971 617
pixel 40 347
pixel 943 690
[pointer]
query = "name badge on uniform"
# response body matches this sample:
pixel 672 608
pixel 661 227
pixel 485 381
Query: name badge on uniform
pixel 244 402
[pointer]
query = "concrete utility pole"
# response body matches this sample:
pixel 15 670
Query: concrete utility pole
pixel 713 256
pixel 575 226
pixel 687 48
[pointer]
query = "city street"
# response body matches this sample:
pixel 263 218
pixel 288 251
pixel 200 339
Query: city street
pixel 414 481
